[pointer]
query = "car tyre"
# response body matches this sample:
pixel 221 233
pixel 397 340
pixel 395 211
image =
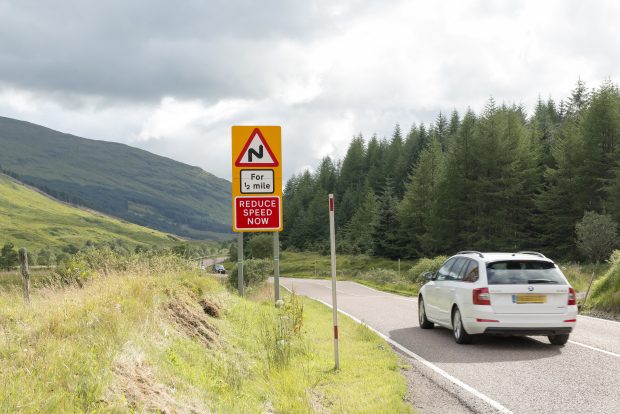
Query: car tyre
pixel 458 330
pixel 560 339
pixel 424 322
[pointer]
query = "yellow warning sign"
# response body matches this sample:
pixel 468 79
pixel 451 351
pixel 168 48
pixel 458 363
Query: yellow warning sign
pixel 257 178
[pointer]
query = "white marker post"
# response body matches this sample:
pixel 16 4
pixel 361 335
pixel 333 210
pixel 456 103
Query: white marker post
pixel 332 239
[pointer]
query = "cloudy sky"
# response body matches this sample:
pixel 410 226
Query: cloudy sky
pixel 172 77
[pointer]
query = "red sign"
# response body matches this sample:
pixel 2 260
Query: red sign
pixel 257 213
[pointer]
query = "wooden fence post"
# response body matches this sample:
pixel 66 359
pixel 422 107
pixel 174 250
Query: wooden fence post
pixel 23 265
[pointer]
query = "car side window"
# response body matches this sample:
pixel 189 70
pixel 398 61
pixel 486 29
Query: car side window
pixel 444 271
pixel 463 270
pixel 456 268
pixel 471 274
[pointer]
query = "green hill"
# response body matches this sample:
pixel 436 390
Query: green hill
pixel 33 220
pixel 117 179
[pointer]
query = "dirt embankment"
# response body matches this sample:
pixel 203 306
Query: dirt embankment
pixel 136 381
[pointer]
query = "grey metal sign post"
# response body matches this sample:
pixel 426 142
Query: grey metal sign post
pixel 240 263
pixel 276 266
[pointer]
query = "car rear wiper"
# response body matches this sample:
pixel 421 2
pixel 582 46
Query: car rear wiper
pixel 532 281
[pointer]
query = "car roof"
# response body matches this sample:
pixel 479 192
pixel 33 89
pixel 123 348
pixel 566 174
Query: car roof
pixel 499 256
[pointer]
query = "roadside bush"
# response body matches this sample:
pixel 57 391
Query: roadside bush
pixel 255 272
pixel 73 271
pixel 86 264
pixel 415 274
pixel 260 246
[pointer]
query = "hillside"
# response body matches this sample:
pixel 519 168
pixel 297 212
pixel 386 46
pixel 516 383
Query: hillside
pixel 117 179
pixel 33 220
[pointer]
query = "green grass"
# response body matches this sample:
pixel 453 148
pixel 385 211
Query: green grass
pixel 113 346
pixel 605 294
pixel 579 275
pixel 13 279
pixel 32 220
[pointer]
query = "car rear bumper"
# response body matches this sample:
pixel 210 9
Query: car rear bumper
pixel 527 331
pixel 485 322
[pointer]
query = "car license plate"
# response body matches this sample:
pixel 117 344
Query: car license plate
pixel 521 298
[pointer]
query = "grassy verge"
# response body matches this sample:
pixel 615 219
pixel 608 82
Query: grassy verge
pixel 165 338
pixel 605 297
pixel 579 275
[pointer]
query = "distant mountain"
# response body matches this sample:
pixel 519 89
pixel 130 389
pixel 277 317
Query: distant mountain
pixel 33 220
pixel 117 179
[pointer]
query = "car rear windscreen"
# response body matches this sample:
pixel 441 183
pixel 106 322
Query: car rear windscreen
pixel 523 272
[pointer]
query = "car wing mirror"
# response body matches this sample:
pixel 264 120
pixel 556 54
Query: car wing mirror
pixel 428 276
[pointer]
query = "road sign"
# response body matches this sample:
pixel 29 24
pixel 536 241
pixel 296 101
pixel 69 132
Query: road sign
pixel 256 152
pixel 257 181
pixel 256 178
pixel 262 212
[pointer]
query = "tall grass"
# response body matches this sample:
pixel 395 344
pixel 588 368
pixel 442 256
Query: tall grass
pixel 606 291
pixel 112 344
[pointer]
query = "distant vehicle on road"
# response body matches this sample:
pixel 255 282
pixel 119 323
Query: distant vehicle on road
pixel 522 293
pixel 218 268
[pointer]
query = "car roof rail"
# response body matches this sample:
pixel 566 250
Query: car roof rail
pixel 533 253
pixel 471 252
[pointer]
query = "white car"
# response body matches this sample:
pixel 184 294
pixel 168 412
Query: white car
pixel 521 293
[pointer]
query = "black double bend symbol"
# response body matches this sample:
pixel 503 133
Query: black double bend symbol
pixel 253 152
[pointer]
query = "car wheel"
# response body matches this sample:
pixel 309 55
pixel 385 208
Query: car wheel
pixel 458 330
pixel 424 322
pixel 560 339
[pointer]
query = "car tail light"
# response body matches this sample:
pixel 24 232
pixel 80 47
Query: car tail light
pixel 488 320
pixel 572 299
pixel 481 296
pixel 570 320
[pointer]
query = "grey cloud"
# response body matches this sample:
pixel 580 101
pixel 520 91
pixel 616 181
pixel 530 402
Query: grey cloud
pixel 142 50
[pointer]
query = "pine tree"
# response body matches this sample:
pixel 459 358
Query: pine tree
pixel 358 233
pixel 544 125
pixel 601 140
pixel 395 163
pixel 386 240
pixel 441 129
pixel 414 211
pixel 351 181
pixel 456 197
pixel 506 183
pixel 375 163
pixel 560 203
pixel 326 175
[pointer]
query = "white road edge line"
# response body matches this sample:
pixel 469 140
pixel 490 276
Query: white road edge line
pixel 595 349
pixel 430 365
pixel 597 319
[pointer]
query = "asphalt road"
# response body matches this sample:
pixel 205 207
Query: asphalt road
pixel 211 261
pixel 522 375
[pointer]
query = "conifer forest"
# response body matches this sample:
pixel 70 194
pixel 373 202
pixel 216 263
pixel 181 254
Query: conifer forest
pixel 508 178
